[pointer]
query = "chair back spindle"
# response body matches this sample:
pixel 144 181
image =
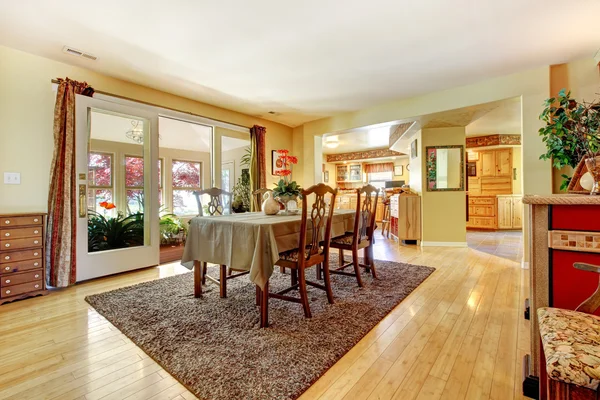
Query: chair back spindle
pixel 364 221
pixel 321 217
pixel 219 202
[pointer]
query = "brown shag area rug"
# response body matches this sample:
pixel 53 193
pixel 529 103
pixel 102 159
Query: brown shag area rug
pixel 215 347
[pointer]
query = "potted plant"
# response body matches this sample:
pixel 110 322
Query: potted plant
pixel 286 189
pixel 571 134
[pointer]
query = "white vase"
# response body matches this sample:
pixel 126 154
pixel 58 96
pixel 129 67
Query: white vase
pixel 270 206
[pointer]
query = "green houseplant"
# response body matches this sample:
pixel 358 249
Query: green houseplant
pixel 106 233
pixel 286 189
pixel 570 132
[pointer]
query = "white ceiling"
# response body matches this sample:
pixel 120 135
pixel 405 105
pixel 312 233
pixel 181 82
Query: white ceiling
pixel 174 134
pixel 504 120
pixel 358 140
pixel 304 59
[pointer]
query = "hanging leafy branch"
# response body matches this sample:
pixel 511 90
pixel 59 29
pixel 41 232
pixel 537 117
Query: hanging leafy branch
pixel 571 131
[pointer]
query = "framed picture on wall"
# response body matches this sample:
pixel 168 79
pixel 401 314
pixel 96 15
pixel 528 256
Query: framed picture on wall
pixel 326 176
pixel 398 170
pixel 277 164
pixel 413 149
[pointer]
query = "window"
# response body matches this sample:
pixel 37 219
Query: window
pixel 100 180
pixel 378 179
pixel 134 183
pixel 187 177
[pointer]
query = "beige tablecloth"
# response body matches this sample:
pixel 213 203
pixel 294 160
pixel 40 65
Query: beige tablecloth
pixel 250 241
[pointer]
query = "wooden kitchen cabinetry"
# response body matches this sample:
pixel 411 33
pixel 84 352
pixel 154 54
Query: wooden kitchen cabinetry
pixel 482 212
pixel 348 172
pixel 405 217
pixel 510 212
pixel 496 163
pixel 494 173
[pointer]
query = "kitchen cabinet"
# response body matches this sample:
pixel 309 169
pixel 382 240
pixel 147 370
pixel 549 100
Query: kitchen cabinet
pixel 349 172
pixel 510 210
pixel 405 217
pixel 379 211
pixel 497 163
pixel 482 212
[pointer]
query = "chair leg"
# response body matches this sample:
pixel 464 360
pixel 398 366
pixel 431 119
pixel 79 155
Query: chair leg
pixel 197 279
pixel 341 256
pixel 264 306
pixel 327 279
pixel 356 266
pixel 204 271
pixel 282 270
pixel 367 258
pixel 229 271
pixel 319 271
pixel 303 292
pixel 294 275
pixel 372 261
pixel 223 281
pixel 258 295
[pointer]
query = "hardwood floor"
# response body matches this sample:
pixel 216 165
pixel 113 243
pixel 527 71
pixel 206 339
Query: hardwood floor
pixel 461 334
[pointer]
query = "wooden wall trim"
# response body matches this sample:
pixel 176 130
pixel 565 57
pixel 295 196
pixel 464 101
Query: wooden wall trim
pixel 493 140
pixel 362 155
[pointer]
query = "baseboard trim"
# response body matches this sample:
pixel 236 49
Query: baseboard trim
pixel 443 244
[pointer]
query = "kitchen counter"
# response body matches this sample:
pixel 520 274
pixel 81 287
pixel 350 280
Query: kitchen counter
pixel 562 199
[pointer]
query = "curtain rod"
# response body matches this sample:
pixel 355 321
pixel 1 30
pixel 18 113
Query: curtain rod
pixel 159 106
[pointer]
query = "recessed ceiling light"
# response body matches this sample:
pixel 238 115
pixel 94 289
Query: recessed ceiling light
pixel 332 142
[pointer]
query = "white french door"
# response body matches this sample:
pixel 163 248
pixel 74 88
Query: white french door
pixel 117 185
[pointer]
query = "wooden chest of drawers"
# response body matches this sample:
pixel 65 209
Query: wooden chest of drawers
pixel 22 256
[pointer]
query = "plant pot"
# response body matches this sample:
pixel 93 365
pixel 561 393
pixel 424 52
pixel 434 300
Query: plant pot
pixel 285 199
pixel 593 166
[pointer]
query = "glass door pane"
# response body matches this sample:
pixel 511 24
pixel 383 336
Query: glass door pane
pixel 235 171
pixel 117 181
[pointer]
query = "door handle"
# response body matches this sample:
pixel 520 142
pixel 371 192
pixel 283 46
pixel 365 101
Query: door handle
pixel 82 202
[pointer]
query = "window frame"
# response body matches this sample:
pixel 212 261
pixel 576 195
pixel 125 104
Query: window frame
pixel 186 188
pixel 161 161
pixel 371 181
pixel 94 188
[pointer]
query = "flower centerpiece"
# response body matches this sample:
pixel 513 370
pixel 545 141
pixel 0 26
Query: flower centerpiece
pixel 571 134
pixel 286 189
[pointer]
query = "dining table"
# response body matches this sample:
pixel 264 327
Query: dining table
pixel 251 242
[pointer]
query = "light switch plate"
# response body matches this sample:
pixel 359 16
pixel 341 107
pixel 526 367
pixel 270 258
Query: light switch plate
pixel 12 178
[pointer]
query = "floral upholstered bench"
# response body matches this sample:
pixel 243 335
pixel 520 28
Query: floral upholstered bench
pixel 571 342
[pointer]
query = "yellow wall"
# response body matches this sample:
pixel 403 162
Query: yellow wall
pixel 26 115
pixel 404 161
pixel 443 213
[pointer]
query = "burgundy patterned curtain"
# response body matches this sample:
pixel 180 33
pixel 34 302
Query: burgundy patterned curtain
pixel 61 229
pixel 381 167
pixel 258 169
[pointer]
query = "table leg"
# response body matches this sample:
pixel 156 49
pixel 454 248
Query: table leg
pixel 264 306
pixel 223 281
pixel 258 295
pixel 197 279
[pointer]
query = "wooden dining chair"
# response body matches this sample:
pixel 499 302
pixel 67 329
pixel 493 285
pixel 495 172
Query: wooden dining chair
pixel 219 204
pixel 313 250
pixel 257 198
pixel 361 236
pixel 386 221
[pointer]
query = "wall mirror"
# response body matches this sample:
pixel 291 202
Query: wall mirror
pixel 445 168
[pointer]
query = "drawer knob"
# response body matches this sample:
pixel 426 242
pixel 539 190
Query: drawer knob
pixel 7 268
pixel 36 231
pixel 7 281
pixel 7 257
pixel 36 286
pixel 35 264
pixel 35 220
pixel 36 241
pixel 7 292
pixel 7 245
pixel 36 276
pixel 7 234
pixel 35 254
pixel 7 221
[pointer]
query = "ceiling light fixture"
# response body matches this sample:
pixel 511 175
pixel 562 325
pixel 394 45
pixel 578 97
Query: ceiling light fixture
pixel 332 142
pixel 136 133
